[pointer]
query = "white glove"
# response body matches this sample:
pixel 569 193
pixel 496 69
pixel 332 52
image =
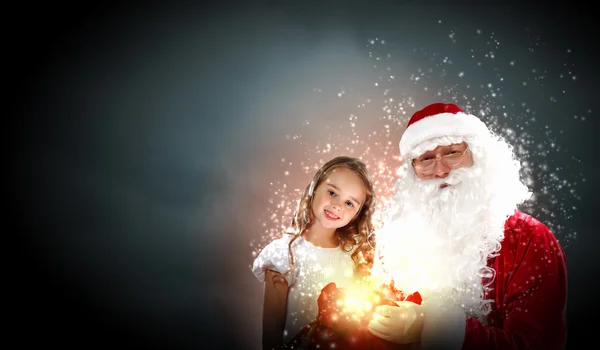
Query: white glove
pixel 400 324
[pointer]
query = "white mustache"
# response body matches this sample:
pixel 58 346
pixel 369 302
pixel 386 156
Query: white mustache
pixel 432 186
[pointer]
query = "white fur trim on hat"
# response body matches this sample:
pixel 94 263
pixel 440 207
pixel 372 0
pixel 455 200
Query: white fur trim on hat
pixel 443 124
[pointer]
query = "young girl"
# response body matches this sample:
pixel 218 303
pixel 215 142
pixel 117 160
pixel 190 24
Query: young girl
pixel 327 242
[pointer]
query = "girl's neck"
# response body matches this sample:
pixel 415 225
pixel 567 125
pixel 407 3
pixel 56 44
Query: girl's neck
pixel 321 237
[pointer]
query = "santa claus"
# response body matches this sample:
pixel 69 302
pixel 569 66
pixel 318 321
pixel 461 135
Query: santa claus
pixel 491 276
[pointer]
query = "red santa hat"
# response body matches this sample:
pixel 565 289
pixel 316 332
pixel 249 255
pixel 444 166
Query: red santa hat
pixel 436 120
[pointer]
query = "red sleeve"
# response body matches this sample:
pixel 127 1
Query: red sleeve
pixel 530 292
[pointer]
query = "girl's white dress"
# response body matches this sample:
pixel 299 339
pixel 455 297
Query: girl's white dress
pixel 314 268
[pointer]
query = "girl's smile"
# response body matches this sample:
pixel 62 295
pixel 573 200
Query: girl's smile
pixel 329 215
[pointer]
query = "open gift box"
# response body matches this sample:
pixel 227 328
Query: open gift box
pixel 342 322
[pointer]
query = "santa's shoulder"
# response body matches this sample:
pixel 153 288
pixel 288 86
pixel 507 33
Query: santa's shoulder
pixel 523 229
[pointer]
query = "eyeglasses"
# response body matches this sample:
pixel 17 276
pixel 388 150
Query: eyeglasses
pixel 426 166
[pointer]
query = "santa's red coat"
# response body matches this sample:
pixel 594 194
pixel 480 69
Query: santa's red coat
pixel 529 291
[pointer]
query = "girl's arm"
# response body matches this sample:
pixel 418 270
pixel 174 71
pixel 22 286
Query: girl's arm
pixel 274 308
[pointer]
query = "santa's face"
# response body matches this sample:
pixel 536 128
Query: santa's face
pixel 451 191
pixel 439 162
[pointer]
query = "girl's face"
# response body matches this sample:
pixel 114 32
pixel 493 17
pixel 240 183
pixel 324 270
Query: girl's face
pixel 338 198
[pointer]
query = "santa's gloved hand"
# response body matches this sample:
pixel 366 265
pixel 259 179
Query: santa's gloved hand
pixel 400 324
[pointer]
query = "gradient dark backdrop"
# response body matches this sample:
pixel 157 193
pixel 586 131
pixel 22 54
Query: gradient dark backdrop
pixel 143 136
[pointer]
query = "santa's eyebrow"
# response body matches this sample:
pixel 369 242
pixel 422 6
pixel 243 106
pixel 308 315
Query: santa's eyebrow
pixel 453 146
pixel 337 188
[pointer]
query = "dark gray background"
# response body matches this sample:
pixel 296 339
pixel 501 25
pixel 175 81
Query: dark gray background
pixel 145 137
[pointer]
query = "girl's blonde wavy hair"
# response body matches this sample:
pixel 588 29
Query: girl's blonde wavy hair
pixel 354 237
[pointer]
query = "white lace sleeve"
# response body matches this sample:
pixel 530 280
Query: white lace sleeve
pixel 275 256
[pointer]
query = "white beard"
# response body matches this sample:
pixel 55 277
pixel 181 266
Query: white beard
pixel 439 241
